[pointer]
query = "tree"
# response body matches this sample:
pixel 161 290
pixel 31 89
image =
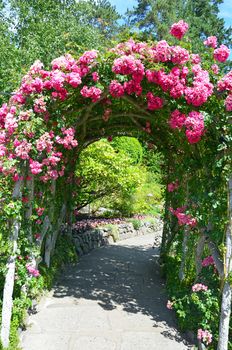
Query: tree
pixel 9 68
pixel 129 146
pixel 103 172
pixel 32 30
pixel 154 18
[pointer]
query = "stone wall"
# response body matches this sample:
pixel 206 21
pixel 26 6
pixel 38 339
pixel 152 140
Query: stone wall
pixel 97 237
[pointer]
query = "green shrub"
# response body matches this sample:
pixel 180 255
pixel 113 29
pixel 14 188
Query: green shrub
pixel 129 146
pixel 136 223
pixel 113 231
pixel 194 310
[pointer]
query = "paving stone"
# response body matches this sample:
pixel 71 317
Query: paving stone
pixel 92 343
pixel 113 299
pixel 149 341
pixel 48 341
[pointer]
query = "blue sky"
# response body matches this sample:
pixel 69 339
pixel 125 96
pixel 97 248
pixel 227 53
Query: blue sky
pixel 225 8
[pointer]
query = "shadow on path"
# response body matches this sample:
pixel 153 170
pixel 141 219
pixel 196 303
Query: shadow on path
pixel 125 275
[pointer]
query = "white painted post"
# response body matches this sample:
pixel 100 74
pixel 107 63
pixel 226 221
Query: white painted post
pixel 30 187
pixel 48 242
pixel 227 290
pixel 9 280
pixel 198 254
pixel 184 244
pixel 184 253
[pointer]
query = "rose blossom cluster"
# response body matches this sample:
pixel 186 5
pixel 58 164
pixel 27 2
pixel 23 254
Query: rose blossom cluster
pixel 173 186
pixel 130 47
pixel 225 84
pixel 163 52
pixel 132 87
pixel 68 141
pixel 201 89
pixel 207 261
pixel 32 270
pixel 199 287
pixel 222 53
pixel 95 76
pixel 53 159
pixel 179 55
pixel 215 68
pixel 177 119
pixel 176 83
pixel 129 65
pixel 8 119
pixel 193 122
pixel 22 148
pixel 88 58
pixel 66 71
pixel 74 79
pixel 35 167
pixel 228 103
pixel 25 115
pixel 211 41
pixel 183 219
pixel 195 58
pixel 66 62
pixel 92 92
pixel 3 150
pixel 40 105
pixel 45 142
pixel 204 336
pixel 40 211
pixel 154 102
pixel 116 89
pixel 179 29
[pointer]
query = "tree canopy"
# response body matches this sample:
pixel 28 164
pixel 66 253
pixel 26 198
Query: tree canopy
pixel 154 18
pixel 103 172
pixel 31 30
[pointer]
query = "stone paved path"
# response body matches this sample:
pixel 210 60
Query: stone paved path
pixel 114 299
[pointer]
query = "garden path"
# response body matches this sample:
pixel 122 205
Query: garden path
pixel 113 299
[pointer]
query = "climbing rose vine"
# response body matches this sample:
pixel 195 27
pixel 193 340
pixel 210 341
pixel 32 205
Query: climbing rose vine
pixel 41 88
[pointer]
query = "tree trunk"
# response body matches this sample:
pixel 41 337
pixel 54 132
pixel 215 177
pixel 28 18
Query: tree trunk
pixel 227 291
pixel 9 280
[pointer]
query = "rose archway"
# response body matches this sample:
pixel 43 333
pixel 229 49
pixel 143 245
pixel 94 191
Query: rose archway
pixel 181 102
